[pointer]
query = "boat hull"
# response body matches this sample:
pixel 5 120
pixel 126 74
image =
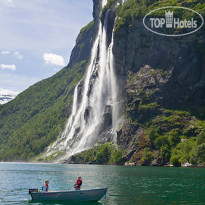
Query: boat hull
pixel 78 195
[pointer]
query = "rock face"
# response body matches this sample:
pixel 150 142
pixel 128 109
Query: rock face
pixel 84 43
pixel 157 75
pixel 168 71
pixel 181 59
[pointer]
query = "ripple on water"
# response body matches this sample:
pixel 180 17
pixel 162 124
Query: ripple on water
pixel 126 185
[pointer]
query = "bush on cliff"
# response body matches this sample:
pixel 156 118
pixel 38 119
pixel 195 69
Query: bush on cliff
pixel 107 153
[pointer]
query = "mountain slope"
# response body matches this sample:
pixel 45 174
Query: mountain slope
pixel 37 116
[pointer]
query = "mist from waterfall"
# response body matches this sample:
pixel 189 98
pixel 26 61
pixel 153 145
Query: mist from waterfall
pixel 100 91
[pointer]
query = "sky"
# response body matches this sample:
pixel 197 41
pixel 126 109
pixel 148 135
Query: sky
pixel 37 37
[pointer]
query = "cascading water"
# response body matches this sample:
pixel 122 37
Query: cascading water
pixel 100 92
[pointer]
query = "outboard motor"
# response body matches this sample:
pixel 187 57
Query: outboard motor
pixel 32 190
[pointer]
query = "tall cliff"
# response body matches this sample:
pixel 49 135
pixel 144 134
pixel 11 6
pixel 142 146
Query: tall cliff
pixel 164 92
pixel 161 85
pixel 162 89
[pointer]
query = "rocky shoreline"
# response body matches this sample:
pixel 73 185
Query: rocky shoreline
pixel 153 164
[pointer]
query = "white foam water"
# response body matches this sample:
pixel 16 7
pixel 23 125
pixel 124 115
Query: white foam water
pixel 99 90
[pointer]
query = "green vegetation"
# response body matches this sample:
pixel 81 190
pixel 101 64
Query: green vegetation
pixel 149 106
pixel 147 156
pixel 85 29
pixel 129 11
pixel 110 5
pixel 192 150
pixel 51 158
pixel 178 137
pixel 174 136
pixel 133 9
pixel 175 161
pixel 108 153
pixel 38 115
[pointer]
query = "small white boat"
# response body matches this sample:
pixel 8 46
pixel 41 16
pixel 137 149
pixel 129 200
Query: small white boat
pixel 78 195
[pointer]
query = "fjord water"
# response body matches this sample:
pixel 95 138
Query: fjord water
pixel 126 185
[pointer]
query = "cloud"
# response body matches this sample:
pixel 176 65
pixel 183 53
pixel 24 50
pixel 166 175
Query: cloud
pixel 9 3
pixel 41 26
pixel 9 67
pixel 56 69
pixel 18 55
pixel 5 52
pixel 51 58
pixel 15 82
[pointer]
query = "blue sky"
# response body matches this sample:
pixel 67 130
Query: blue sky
pixel 36 38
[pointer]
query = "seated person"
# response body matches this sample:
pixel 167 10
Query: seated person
pixel 45 186
pixel 78 183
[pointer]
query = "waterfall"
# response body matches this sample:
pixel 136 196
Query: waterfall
pixel 100 93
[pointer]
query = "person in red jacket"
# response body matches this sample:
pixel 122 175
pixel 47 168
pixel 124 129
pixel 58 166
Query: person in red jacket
pixel 78 183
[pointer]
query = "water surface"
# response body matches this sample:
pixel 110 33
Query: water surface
pixel 126 185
